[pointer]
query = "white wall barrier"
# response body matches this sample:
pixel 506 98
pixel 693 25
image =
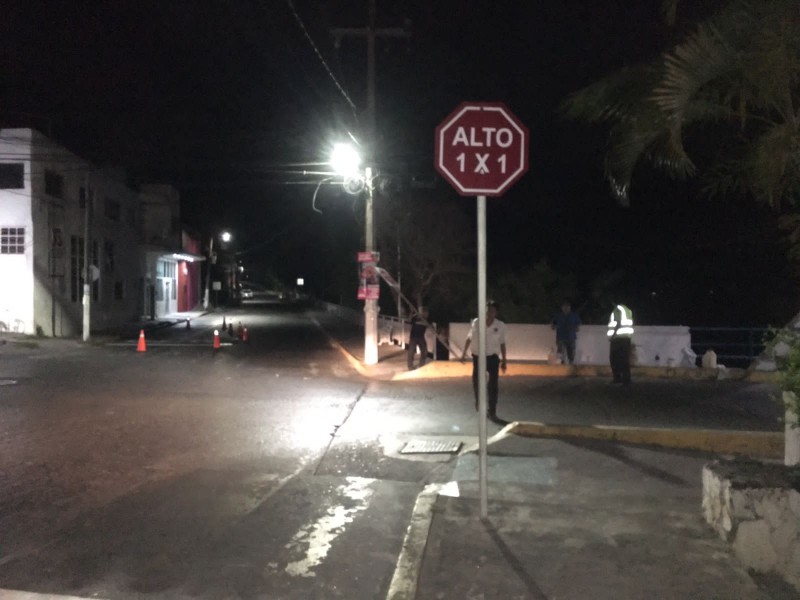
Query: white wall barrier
pixel 655 346
pixel 668 346
pixel 348 314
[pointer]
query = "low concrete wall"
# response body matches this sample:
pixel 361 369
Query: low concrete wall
pixel 655 346
pixel 349 314
pixel 755 508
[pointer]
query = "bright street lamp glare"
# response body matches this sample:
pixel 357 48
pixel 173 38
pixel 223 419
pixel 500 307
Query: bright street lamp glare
pixel 345 159
pixel 225 236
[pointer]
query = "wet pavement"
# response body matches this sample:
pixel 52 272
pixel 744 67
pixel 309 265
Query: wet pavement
pixel 567 518
pixel 571 519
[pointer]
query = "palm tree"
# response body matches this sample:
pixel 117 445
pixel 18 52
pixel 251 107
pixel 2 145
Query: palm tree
pixel 739 72
pixel 738 75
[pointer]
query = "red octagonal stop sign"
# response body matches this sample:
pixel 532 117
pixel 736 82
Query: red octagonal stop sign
pixel 481 149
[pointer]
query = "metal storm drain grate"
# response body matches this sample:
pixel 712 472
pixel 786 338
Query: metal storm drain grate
pixel 430 447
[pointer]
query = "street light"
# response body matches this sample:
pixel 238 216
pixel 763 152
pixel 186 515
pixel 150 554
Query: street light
pixel 345 161
pixel 226 237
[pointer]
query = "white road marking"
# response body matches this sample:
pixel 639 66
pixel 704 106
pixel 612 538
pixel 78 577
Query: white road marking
pixel 319 535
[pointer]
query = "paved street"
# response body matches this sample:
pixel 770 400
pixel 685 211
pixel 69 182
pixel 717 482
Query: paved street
pixel 269 469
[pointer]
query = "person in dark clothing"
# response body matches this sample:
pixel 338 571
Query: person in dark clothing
pixel 566 324
pixel 416 338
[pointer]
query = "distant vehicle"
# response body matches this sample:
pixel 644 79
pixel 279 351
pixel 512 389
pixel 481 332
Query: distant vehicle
pixel 247 294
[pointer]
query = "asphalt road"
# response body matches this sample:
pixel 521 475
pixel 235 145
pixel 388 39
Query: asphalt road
pixel 267 469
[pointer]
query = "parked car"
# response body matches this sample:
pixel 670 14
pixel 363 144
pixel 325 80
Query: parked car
pixel 247 294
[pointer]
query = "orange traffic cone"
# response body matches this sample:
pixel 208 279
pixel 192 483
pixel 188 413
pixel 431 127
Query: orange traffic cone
pixel 216 339
pixel 244 334
pixel 142 345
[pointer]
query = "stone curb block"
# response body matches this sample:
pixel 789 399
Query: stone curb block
pixel 757 444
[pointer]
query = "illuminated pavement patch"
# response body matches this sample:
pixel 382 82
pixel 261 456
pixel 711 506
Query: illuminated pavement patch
pixel 510 469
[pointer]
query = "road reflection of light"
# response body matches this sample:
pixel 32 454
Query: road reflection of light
pixel 313 426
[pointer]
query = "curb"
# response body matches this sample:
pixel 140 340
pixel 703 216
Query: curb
pixel 409 564
pixel 454 369
pixel 756 444
pixel 19 595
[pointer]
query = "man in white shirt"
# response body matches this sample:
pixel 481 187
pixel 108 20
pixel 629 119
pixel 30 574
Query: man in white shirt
pixel 495 355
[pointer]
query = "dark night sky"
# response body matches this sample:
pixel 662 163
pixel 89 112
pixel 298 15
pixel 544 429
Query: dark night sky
pixel 219 98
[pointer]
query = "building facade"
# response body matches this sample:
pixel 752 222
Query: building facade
pixel 62 220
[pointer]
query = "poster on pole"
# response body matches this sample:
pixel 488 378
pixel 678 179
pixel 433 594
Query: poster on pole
pixel 369 281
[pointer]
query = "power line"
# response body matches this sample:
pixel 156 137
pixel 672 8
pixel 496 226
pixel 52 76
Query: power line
pixel 322 60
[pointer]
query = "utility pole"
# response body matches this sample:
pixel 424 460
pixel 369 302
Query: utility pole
pixel 208 272
pixel 370 33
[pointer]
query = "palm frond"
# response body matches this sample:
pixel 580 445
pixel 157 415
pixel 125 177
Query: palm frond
pixel 613 98
pixel 668 154
pixel 726 178
pixel 791 224
pixel 772 66
pixel 702 58
pixel 629 143
pixel 774 165
pixel 669 9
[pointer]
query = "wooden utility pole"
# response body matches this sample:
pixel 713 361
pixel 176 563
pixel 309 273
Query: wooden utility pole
pixel 370 33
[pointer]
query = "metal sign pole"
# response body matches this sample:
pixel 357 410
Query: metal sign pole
pixel 482 425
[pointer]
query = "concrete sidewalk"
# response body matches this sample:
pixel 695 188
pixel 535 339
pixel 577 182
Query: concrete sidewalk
pixel 574 520
pixel 573 514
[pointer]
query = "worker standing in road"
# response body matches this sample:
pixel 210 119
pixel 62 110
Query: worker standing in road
pixel 566 324
pixel 620 332
pixel 495 355
pixel 416 338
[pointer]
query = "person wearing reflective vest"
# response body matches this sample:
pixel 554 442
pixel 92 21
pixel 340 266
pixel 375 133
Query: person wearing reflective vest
pixel 620 332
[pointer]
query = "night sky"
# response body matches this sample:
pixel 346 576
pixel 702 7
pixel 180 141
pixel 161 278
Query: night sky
pixel 225 100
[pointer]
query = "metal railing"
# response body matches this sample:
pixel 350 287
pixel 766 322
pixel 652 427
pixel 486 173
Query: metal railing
pixel 734 346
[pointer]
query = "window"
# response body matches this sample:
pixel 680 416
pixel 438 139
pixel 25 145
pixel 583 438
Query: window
pixel 53 184
pixel 108 250
pixel 166 269
pixel 83 197
pixel 76 268
pixel 12 176
pixel 113 210
pixel 12 240
pixel 94 262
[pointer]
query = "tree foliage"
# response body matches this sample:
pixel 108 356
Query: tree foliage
pixel 737 72
pixel 427 241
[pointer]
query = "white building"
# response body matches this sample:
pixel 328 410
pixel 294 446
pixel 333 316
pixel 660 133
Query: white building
pixel 51 201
